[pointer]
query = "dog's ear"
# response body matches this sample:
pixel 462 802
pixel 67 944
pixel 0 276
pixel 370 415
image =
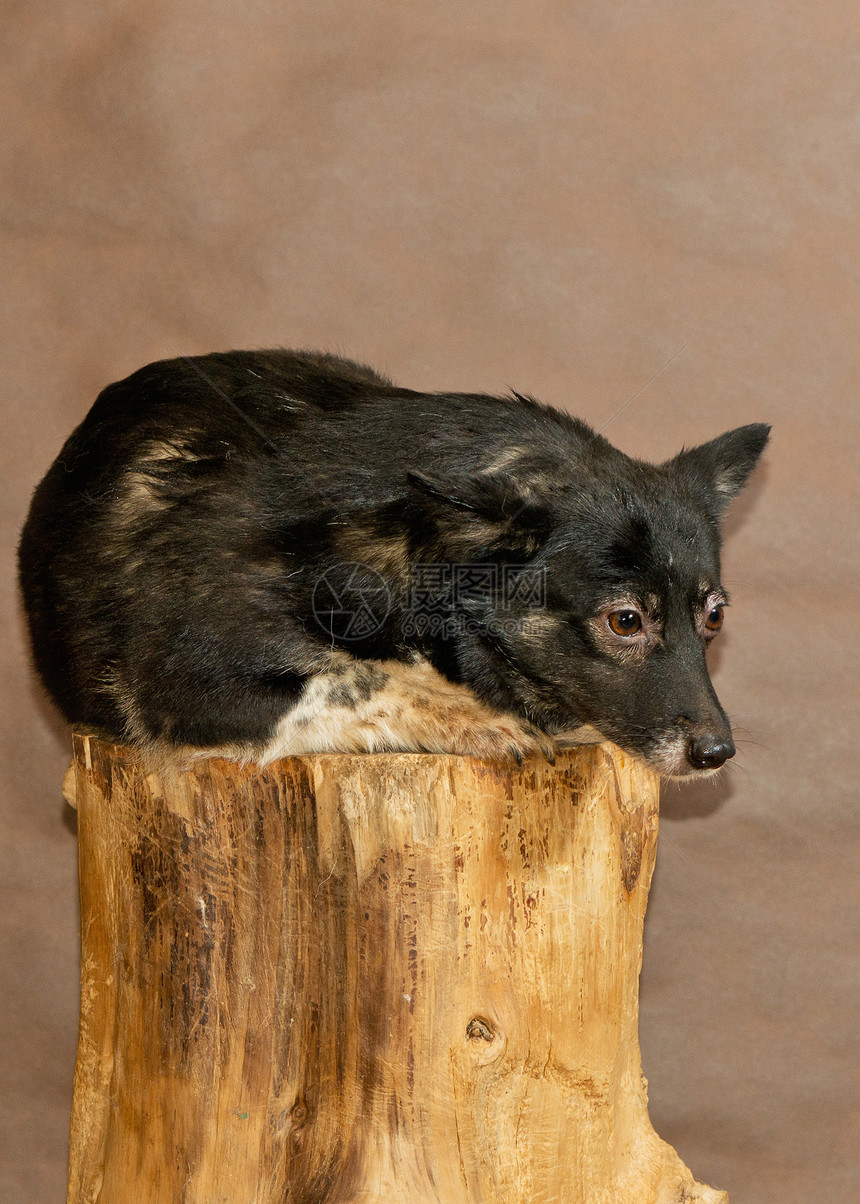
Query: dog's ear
pixel 719 469
pixel 491 509
pixel 493 495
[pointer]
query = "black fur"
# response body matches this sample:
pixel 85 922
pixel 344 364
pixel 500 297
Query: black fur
pixel 171 554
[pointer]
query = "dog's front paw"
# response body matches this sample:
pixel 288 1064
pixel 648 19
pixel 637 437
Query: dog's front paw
pixel 500 738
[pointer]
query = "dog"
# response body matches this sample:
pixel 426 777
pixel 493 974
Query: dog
pixel 259 553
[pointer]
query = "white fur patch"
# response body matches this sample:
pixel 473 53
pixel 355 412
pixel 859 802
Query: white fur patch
pixel 412 709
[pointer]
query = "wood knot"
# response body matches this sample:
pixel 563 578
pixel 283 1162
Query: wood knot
pixel 298 1116
pixel 479 1030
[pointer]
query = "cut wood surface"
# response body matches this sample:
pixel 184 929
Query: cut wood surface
pixel 405 978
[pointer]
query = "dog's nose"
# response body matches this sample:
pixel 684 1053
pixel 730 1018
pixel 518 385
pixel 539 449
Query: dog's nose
pixel 709 750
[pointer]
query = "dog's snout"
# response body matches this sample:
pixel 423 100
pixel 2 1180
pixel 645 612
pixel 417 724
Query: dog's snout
pixel 709 750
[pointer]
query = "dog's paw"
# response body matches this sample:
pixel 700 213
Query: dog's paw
pixel 500 738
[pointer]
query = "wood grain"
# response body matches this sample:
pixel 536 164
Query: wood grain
pixel 398 978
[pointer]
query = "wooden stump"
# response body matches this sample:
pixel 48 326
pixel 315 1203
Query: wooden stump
pixel 405 979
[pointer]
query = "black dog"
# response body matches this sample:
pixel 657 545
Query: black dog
pixel 258 553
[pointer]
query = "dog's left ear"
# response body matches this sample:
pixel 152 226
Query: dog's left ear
pixel 721 467
pixel 493 495
pixel 487 508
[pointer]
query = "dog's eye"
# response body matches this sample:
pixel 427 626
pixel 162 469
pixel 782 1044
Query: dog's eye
pixel 625 622
pixel 714 619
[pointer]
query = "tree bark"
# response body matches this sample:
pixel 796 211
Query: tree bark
pixel 406 979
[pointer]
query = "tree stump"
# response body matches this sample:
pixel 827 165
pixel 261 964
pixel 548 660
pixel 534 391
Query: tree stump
pixel 405 978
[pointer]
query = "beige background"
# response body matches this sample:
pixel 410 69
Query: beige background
pixel 552 196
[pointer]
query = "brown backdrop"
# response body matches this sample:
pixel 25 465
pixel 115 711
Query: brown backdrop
pixel 555 196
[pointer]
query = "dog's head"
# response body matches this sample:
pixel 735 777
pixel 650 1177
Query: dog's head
pixel 607 591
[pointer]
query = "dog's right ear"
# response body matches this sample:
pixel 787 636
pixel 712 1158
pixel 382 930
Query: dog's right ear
pixel 718 470
pixel 485 509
